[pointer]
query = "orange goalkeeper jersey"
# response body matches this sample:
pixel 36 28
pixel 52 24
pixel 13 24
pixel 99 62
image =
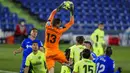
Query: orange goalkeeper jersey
pixel 53 34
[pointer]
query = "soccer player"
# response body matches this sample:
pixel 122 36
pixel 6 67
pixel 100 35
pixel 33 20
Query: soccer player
pixel 85 65
pixel 98 39
pixel 89 46
pixel 35 62
pixel 26 47
pixel 53 32
pixel 65 68
pixel 104 63
pixel 76 49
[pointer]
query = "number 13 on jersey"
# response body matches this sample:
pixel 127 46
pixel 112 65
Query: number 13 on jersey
pixel 51 38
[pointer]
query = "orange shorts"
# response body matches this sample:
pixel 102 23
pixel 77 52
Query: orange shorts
pixel 53 56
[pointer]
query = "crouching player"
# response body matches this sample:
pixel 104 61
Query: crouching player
pixel 35 62
pixel 66 68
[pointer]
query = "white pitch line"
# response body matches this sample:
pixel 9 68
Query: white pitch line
pixel 3 71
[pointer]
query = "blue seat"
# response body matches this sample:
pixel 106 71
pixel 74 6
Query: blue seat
pixel 112 12
pixel 29 27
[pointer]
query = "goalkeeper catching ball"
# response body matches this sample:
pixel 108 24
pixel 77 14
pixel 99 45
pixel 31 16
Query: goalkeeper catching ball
pixel 53 33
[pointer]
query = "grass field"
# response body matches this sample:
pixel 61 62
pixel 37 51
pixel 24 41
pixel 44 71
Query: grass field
pixel 9 62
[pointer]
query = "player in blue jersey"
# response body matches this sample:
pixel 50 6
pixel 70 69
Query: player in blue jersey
pixel 26 47
pixel 89 46
pixel 104 63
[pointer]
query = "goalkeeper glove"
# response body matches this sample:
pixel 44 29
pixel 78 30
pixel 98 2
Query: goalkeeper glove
pixel 71 9
pixel 60 7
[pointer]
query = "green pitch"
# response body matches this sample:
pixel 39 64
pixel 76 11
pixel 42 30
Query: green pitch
pixel 9 62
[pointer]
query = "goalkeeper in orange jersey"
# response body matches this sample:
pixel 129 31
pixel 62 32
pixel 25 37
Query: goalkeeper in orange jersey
pixel 53 32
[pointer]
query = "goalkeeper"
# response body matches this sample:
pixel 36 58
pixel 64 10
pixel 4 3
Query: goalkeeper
pixel 98 39
pixel 53 33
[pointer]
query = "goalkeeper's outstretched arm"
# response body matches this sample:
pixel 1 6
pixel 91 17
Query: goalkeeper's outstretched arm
pixel 51 17
pixel 71 22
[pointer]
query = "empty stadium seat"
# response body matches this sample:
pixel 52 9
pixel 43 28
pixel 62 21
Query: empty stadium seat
pixel 87 12
pixel 9 20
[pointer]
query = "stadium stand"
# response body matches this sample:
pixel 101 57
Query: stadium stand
pixel 8 22
pixel 115 14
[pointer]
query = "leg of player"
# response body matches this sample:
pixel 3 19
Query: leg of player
pixel 51 70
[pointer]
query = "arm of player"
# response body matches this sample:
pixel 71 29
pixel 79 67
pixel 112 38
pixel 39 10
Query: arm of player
pixel 93 35
pixel 26 69
pixel 23 45
pixel 18 51
pixel 41 49
pixel 71 61
pixel 45 62
pixel 75 68
pixel 71 22
pixel 40 44
pixel 50 19
pixel 68 25
pixel 112 67
pixel 27 64
pixel 71 56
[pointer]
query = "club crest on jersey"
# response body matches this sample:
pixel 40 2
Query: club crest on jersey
pixel 39 57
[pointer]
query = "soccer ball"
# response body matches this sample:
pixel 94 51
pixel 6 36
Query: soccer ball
pixel 67 4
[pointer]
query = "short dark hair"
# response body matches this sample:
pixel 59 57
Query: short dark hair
pixel 88 42
pixel 56 21
pixel 101 24
pixel 86 53
pixel 80 39
pixel 33 29
pixel 108 51
pixel 67 54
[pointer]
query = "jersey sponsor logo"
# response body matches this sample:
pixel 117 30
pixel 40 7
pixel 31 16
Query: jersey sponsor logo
pixel 37 63
pixel 28 46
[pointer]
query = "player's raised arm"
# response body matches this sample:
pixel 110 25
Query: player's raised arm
pixel 51 17
pixel 71 22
